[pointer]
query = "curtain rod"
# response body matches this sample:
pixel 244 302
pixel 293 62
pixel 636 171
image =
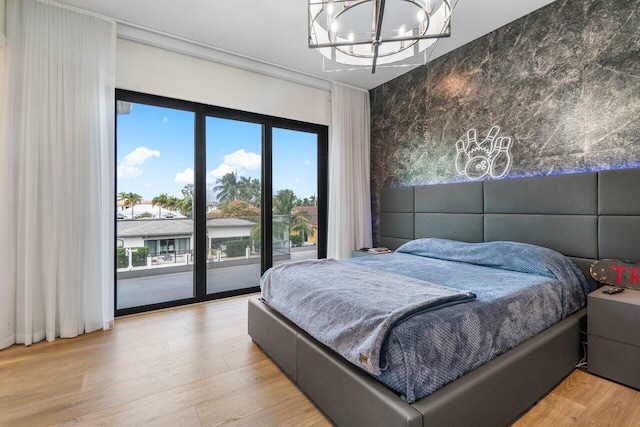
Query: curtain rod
pixel 79 10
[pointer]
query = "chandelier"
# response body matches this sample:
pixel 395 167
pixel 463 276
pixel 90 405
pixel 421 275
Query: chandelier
pixel 371 33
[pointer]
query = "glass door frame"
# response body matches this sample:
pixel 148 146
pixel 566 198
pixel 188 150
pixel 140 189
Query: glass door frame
pixel 268 123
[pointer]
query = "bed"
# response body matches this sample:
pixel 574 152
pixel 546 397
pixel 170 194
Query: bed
pixel 578 215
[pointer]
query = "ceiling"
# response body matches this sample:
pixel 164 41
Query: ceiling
pixel 275 32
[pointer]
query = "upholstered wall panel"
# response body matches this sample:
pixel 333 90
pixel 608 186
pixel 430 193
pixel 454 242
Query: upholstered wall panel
pixel 619 192
pixel 561 212
pixel 620 237
pixel 399 225
pixel 558 194
pixel 397 199
pixel 463 197
pixel 463 227
pixel 571 235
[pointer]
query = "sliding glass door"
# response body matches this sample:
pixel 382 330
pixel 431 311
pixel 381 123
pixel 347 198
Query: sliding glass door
pixel 234 200
pixel 295 195
pixel 209 198
pixel 154 221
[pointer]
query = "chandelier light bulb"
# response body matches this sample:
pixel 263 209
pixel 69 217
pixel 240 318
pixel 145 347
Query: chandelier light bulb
pixel 351 36
pixel 401 31
pixel 330 8
pixel 421 16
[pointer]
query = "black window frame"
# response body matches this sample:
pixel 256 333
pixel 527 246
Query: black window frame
pixel 268 123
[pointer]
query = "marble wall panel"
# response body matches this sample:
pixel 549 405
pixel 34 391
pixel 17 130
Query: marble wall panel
pixel 562 82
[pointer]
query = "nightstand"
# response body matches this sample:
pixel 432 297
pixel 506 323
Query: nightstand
pixel 614 336
pixel 358 253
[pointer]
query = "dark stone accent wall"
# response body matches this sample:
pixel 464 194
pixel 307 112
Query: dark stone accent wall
pixel 563 82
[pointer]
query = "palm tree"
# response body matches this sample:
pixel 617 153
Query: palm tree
pixel 130 199
pixel 256 192
pixel 173 203
pixel 249 190
pixel 227 188
pixel 160 201
pixel 186 206
pixel 301 224
pixel 187 191
pixel 283 202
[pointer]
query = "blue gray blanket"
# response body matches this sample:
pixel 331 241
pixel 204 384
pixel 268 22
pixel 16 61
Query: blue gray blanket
pixel 351 308
pixel 520 291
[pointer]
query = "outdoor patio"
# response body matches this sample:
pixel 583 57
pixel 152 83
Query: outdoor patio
pixel 155 288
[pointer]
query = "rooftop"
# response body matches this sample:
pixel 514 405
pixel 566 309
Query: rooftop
pixel 172 227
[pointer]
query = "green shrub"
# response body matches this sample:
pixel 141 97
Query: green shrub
pixel 139 258
pixel 296 240
pixel 237 247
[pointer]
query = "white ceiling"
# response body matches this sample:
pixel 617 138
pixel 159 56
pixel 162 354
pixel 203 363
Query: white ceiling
pixel 275 31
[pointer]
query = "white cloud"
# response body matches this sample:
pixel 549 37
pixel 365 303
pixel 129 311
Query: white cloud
pixel 219 172
pixel 235 162
pixel 165 119
pixel 243 160
pixel 129 167
pixel 185 177
pixel 307 162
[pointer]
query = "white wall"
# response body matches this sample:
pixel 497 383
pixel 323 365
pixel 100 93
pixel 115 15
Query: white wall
pixel 157 71
pixel 228 232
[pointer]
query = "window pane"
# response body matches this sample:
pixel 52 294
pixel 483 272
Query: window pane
pixel 154 183
pixel 295 186
pixel 234 164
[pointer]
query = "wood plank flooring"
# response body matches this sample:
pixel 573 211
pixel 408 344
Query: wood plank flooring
pixel 196 366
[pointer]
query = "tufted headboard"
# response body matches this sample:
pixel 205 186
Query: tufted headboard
pixel 585 216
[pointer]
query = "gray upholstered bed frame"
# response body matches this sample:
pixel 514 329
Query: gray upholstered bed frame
pixel 584 216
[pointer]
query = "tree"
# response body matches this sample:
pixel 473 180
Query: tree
pixel 283 202
pixel 130 199
pixel 307 201
pixel 301 224
pixel 227 188
pixel 187 191
pixel 160 201
pixel 256 192
pixel 256 236
pixel 186 206
pixel 173 203
pixel 249 190
pixel 238 208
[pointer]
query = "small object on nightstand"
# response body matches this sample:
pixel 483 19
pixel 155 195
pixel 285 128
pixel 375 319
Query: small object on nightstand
pixel 379 250
pixel 612 290
pixel 615 272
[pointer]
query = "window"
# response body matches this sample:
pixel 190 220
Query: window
pixel 209 198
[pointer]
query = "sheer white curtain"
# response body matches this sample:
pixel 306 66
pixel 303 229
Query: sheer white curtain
pixel 56 271
pixel 349 160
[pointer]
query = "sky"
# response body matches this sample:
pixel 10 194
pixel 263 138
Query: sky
pixel 155 153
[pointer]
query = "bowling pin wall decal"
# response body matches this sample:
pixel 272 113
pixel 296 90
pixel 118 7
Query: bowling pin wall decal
pixel 490 157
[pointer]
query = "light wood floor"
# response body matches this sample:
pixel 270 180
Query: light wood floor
pixel 196 365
